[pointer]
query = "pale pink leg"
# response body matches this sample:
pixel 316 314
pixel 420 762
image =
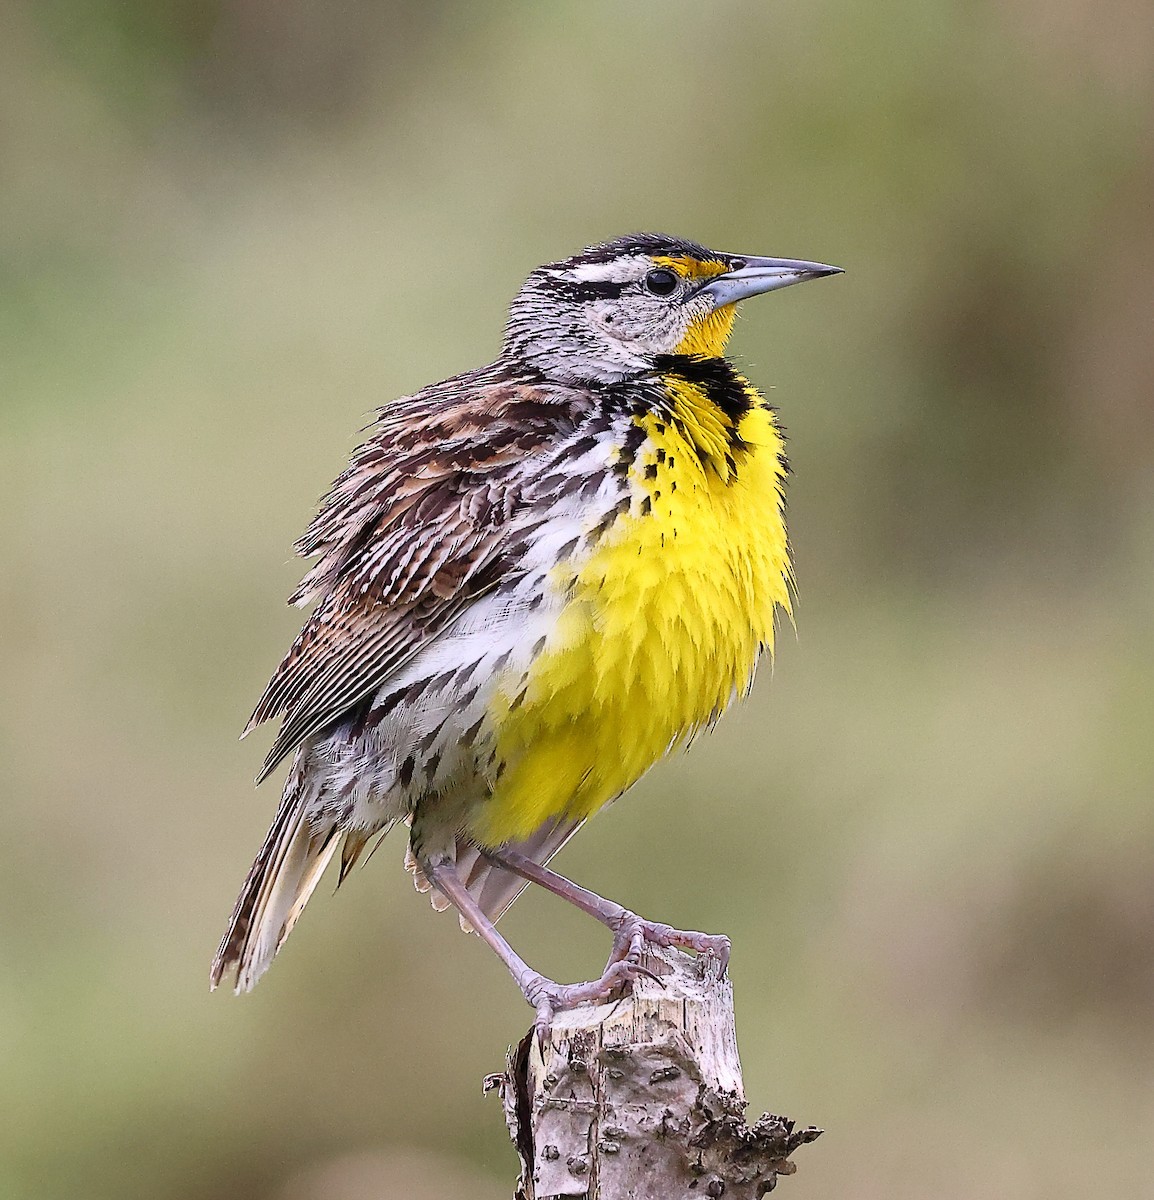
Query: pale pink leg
pixel 630 931
pixel 546 996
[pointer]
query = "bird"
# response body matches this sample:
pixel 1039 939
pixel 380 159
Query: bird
pixel 532 582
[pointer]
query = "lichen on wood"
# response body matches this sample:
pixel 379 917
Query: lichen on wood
pixel 643 1097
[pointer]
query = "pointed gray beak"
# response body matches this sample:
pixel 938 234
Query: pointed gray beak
pixel 752 276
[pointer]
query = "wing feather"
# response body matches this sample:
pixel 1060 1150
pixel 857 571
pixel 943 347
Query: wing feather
pixel 412 532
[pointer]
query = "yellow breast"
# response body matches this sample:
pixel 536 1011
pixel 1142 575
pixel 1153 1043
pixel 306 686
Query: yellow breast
pixel 663 625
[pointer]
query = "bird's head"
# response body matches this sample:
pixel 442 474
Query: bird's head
pixel 609 312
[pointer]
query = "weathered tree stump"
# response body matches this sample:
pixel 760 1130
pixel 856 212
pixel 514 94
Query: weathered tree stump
pixel 642 1099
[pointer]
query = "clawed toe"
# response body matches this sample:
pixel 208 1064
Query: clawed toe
pixel 543 1024
pixel 631 934
pixel 549 998
pixel 635 931
pixel 628 943
pixel 716 944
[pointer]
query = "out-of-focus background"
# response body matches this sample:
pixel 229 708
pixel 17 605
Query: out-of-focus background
pixel 230 228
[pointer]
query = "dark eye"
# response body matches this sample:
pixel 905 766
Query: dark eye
pixel 661 282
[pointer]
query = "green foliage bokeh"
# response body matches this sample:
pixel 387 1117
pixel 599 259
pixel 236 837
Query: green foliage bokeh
pixel 229 230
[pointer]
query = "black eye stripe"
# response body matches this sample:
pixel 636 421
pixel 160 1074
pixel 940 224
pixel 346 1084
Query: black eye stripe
pixel 662 282
pixel 581 291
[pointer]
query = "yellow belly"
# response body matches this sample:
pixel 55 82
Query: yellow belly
pixel 663 627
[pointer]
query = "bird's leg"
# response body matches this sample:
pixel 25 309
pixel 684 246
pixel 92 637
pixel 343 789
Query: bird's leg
pixel 630 932
pixel 546 996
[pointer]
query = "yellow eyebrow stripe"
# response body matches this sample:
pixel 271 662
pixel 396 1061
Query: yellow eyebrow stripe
pixel 692 268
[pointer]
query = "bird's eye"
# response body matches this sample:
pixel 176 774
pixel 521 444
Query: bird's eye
pixel 661 282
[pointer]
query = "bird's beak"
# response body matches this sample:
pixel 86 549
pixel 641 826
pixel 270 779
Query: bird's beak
pixel 756 275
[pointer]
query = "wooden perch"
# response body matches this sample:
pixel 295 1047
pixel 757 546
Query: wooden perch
pixel 642 1099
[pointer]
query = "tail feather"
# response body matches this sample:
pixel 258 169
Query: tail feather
pixel 294 857
pixel 492 887
pixel 354 847
pixel 495 889
pixel 279 884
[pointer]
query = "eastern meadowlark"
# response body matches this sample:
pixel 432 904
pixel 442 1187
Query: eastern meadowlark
pixel 531 582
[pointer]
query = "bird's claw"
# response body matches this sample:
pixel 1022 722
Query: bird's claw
pixel 624 966
pixel 549 998
pixel 543 1025
pixel 634 932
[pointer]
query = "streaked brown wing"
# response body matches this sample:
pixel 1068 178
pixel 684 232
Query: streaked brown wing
pixel 409 536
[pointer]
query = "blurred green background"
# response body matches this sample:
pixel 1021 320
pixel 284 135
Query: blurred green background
pixel 230 228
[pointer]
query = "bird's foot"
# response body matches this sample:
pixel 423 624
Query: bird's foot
pixel 632 932
pixel 549 998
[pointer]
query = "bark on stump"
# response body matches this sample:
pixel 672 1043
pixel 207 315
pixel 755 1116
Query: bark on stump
pixel 642 1099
